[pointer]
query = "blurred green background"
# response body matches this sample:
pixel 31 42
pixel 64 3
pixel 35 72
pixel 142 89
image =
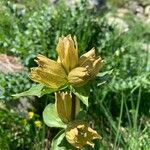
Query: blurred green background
pixel 119 101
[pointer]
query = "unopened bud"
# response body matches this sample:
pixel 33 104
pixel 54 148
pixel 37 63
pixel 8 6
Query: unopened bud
pixel 66 104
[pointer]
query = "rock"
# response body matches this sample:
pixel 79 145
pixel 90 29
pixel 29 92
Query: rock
pixel 147 10
pixel 140 16
pixel 144 2
pixel 121 12
pixel 118 22
pixel 133 5
pixel 21 106
pixel 140 9
pixel 145 46
pixel 97 4
pixel 10 64
pixel 24 105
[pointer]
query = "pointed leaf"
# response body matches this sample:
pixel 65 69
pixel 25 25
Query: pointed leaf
pixel 57 140
pixel 51 118
pixel 82 93
pixel 35 90
pixel 101 74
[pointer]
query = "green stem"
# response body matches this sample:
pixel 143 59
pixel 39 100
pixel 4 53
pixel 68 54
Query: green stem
pixel 107 114
pixel 137 109
pixel 119 123
pixel 127 111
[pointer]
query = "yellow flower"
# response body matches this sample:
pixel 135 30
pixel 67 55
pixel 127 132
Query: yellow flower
pixel 79 134
pixel 31 114
pixel 92 62
pixel 67 52
pixel 68 68
pixel 49 72
pixel 89 66
pixel 38 123
pixel 67 106
pixel 78 76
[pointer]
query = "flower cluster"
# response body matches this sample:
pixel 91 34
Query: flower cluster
pixel 69 69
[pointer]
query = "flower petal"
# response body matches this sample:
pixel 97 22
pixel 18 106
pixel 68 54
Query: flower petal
pixel 86 56
pixel 49 73
pixel 91 62
pixel 79 134
pixel 97 65
pixel 64 106
pixel 67 52
pixel 78 76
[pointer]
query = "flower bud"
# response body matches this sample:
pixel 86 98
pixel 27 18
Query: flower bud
pixel 49 72
pixel 67 106
pixel 78 76
pixel 67 52
pixel 79 134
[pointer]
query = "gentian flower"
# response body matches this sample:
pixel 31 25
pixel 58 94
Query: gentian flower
pixel 79 134
pixel 49 72
pixel 67 106
pixel 69 68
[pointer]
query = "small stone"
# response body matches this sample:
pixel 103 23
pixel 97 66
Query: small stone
pixel 119 23
pixel 133 5
pixel 147 10
pixel 140 16
pixel 10 64
pixel 122 12
pixel 139 9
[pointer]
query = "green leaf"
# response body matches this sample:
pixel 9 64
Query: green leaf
pixel 101 74
pixel 82 114
pixel 82 93
pixel 57 140
pixel 36 90
pixel 51 118
pixel 2 91
pixel 47 90
pixel 103 77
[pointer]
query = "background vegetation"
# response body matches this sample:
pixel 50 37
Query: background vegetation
pixel 120 104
